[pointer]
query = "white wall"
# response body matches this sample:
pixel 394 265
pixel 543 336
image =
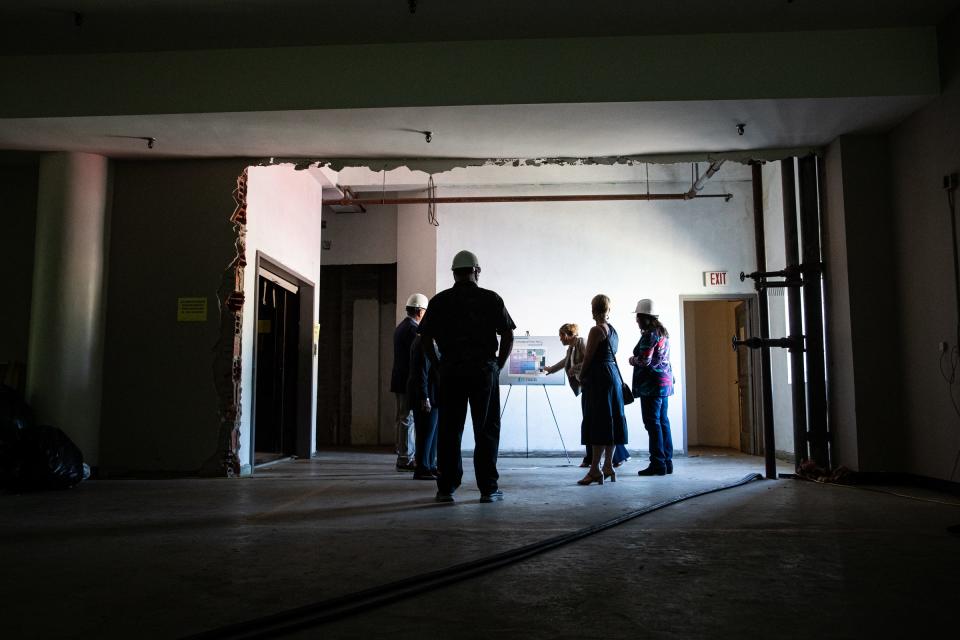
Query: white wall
pixel 382 235
pixel 842 388
pixel 861 249
pixel 416 253
pixel 172 242
pixel 283 223
pixel 776 259
pixel 361 238
pixel 923 149
pixel 547 260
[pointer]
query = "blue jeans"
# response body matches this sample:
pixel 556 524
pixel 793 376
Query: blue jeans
pixel 426 425
pixel 655 421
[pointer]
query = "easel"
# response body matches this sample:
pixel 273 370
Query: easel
pixel 526 416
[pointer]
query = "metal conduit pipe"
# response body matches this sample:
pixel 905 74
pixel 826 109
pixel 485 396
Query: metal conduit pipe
pixel 766 389
pixel 347 202
pixel 313 615
pixel 702 180
pixel 794 313
pixel 818 430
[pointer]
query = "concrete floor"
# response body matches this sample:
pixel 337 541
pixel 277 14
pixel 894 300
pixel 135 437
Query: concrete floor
pixel 775 558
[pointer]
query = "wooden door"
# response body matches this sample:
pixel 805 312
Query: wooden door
pixel 744 383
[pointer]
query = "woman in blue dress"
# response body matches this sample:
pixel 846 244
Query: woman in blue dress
pixel 571 364
pixel 604 425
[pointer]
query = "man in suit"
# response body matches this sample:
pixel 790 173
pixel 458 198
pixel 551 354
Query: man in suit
pixel 403 337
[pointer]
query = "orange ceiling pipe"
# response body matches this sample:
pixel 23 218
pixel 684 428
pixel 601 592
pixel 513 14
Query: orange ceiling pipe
pixel 347 202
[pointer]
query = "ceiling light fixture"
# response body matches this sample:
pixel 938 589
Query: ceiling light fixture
pixel 150 140
pixel 427 135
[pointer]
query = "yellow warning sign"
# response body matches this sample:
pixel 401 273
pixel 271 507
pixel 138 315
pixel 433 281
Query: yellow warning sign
pixel 192 309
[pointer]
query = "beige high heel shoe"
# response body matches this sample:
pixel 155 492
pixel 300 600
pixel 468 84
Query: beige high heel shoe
pixel 590 479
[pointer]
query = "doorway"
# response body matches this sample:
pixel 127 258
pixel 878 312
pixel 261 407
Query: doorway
pixel 276 365
pixel 358 316
pixel 722 394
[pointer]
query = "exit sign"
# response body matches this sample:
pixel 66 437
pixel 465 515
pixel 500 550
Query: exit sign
pixel 714 278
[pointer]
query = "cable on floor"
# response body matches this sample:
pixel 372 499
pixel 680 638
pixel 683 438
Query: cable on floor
pixel 342 606
pixel 895 493
pixel 849 480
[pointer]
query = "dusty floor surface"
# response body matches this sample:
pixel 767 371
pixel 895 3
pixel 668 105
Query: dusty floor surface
pixel 774 558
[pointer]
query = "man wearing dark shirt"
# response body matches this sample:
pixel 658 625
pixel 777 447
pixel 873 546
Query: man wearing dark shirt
pixel 465 321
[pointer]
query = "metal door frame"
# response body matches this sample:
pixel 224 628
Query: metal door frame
pixel 305 352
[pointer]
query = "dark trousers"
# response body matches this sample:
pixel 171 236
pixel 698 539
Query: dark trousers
pixel 655 421
pixel 426 425
pixel 477 386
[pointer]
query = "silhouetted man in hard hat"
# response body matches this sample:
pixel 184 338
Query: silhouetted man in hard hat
pixel 465 321
pixel 403 337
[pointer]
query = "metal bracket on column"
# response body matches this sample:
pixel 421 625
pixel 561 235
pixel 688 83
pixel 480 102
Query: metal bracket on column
pixel 793 343
pixel 792 277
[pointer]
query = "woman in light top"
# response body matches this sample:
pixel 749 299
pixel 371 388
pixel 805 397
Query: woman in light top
pixel 571 363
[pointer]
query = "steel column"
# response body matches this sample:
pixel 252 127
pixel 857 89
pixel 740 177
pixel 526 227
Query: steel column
pixel 766 391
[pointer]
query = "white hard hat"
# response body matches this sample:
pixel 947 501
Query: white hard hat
pixel 417 300
pixel 465 260
pixel 645 306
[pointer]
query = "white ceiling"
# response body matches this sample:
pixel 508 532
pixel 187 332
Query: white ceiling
pixel 515 131
pixel 511 131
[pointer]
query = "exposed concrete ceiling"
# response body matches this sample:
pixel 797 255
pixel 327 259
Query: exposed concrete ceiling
pixel 510 131
pixel 688 128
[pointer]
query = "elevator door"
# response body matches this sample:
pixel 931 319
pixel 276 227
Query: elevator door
pixel 275 404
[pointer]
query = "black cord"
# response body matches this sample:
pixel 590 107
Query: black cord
pixel 895 493
pixel 432 206
pixel 952 204
pixel 312 615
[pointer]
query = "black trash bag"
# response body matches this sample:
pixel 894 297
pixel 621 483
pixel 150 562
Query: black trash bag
pixel 48 459
pixel 34 457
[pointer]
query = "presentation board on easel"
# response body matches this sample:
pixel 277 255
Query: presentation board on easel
pixel 528 356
